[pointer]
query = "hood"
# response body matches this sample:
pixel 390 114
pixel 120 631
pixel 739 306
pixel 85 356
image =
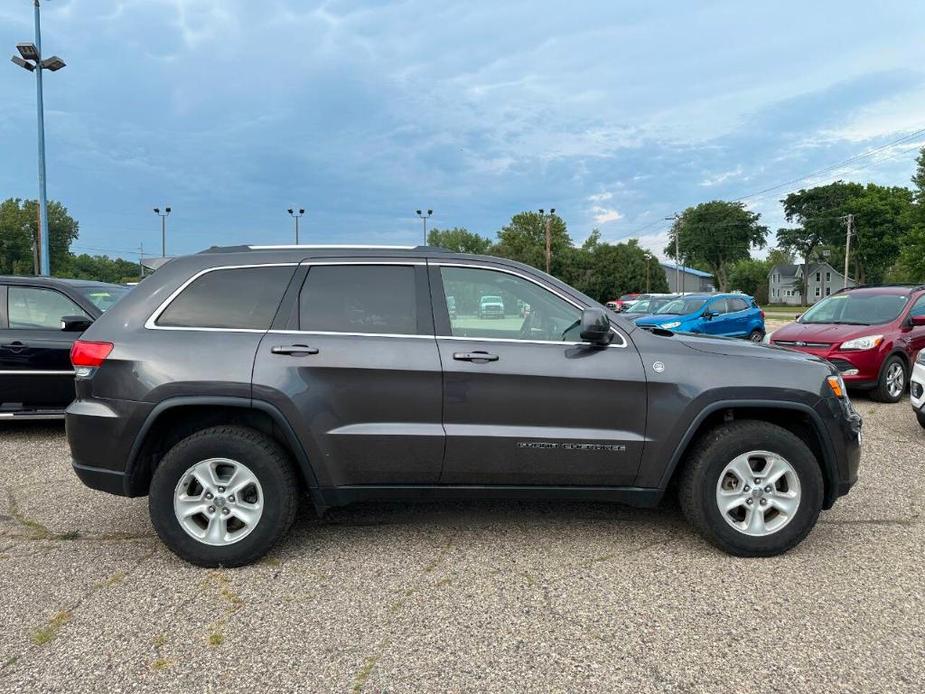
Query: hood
pixel 825 332
pixel 654 319
pixel 735 347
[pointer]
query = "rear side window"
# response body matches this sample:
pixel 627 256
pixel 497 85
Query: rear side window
pixel 238 298
pixel 359 299
pixel 734 305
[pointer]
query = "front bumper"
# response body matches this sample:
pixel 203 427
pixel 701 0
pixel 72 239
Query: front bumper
pixel 917 386
pixel 844 429
pixel 858 369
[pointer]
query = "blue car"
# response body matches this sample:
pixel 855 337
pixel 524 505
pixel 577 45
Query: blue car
pixel 727 315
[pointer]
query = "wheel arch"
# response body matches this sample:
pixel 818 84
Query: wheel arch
pixel 176 418
pixel 800 419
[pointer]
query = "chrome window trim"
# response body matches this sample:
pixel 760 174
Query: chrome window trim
pixel 330 246
pixel 409 263
pixel 334 333
pixel 500 268
pixel 151 323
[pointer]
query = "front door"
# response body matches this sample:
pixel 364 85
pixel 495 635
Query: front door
pixel 717 324
pixel 355 369
pixel 35 365
pixel 525 401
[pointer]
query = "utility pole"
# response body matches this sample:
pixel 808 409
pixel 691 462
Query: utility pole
pixel 648 264
pixel 425 217
pixel 30 58
pixel 677 253
pixel 163 216
pixel 849 219
pixel 141 262
pixel 296 217
pixel 547 218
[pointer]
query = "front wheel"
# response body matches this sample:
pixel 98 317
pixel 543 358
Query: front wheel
pixel 223 496
pixel 756 335
pixel 892 382
pixel 751 488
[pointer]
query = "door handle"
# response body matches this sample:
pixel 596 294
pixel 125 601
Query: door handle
pixel 15 347
pixel 294 350
pixel 475 356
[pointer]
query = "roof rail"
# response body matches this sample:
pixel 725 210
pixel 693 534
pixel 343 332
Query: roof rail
pixel 899 285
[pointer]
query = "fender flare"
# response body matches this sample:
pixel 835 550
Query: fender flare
pixel 829 469
pixel 292 440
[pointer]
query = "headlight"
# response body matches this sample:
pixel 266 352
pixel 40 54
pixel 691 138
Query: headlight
pixel 867 342
pixel 920 357
pixel 672 324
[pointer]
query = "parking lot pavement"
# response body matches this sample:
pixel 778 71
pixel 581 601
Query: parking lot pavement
pixel 474 596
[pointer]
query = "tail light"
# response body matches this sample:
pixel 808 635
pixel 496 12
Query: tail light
pixel 762 314
pixel 86 355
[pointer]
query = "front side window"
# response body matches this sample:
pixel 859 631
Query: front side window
pixel 37 308
pixel 359 299
pixel 493 304
pixel 235 299
pixel 717 307
pixel 918 308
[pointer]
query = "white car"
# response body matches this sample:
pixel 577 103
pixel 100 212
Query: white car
pixel 917 387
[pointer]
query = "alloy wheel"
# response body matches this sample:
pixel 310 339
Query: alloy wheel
pixel 758 493
pixel 895 379
pixel 218 501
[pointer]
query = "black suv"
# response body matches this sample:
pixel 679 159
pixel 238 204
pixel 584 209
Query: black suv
pixel 233 380
pixel 40 317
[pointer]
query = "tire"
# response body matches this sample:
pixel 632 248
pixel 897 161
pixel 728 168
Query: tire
pixel 699 488
pixel 274 490
pixel 882 391
pixel 756 335
pixel 920 415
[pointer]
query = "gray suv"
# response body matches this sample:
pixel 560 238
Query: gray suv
pixel 233 381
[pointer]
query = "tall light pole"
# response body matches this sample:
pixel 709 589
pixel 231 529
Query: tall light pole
pixel 296 217
pixel 163 216
pixel 849 223
pixel 425 217
pixel 547 223
pixel 677 254
pixel 30 58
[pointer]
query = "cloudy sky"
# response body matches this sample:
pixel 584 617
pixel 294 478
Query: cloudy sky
pixel 615 113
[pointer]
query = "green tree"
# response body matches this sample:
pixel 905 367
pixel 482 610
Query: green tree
pixel 883 217
pixel 779 256
pixel 100 267
pixel 715 235
pixel 911 264
pixel 459 240
pixel 751 276
pixel 524 240
pixel 19 234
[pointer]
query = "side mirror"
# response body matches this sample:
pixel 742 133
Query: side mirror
pixel 917 320
pixel 75 324
pixel 708 315
pixel 797 317
pixel 595 327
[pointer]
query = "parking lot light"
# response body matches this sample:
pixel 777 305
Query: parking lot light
pixel 54 63
pixel 22 63
pixel 28 51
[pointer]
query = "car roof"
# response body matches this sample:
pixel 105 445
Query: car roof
pixel 883 289
pixel 35 281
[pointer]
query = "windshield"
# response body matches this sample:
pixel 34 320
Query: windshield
pixel 682 306
pixel 641 306
pixel 491 299
pixel 856 309
pixel 103 296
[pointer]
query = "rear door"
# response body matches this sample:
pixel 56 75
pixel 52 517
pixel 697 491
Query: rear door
pixel 35 366
pixel 525 402
pixel 738 315
pixel 353 364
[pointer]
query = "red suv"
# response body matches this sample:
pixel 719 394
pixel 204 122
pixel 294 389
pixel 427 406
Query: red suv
pixel 872 334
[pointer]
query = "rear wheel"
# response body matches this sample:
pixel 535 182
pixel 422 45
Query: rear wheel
pixel 223 496
pixel 892 383
pixel 751 488
pixel 756 335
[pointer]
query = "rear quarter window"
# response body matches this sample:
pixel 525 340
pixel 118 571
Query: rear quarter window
pixel 234 298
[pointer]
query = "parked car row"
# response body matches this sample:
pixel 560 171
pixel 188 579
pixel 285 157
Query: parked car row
pixel 230 380
pixel 40 317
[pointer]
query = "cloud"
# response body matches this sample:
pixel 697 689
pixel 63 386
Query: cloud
pixel 603 215
pixel 721 177
pixel 599 197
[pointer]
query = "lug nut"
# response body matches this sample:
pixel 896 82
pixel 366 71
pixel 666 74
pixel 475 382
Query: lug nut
pixel 747 488
pixel 748 501
pixel 764 501
pixel 757 481
pixel 221 489
pixel 208 495
pixel 231 498
pixel 211 509
pixel 768 489
pixel 225 510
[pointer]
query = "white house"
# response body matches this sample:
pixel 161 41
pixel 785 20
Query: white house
pixel 785 283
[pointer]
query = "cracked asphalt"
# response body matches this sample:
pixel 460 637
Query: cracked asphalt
pixel 463 596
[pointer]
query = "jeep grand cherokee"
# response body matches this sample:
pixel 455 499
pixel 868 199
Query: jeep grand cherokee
pixel 232 381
